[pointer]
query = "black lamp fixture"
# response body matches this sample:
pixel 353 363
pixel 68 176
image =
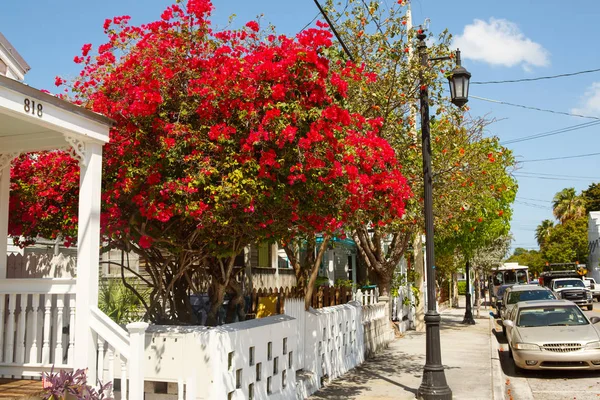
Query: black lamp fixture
pixel 459 83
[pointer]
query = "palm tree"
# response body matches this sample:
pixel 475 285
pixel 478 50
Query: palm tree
pixel 567 205
pixel 542 232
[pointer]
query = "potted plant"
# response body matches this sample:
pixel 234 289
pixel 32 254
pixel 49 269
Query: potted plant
pixel 72 385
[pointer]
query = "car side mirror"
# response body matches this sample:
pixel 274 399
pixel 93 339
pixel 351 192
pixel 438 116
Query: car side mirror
pixel 508 323
pixel 595 320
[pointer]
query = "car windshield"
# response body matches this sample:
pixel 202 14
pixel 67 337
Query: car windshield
pixel 502 289
pixel 551 316
pixel 569 283
pixel 527 295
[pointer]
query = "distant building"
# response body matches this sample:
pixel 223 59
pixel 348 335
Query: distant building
pixel 12 64
pixel 594 245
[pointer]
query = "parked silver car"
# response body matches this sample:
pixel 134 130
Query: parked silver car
pixel 553 334
pixel 517 293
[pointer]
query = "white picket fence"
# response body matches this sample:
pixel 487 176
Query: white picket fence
pixel 367 297
pixel 403 309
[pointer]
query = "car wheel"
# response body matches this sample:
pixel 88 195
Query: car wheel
pixel 590 307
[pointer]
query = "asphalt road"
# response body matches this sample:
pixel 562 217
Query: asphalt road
pixel 548 385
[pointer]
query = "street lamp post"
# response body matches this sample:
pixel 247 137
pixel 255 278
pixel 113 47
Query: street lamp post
pixel 433 385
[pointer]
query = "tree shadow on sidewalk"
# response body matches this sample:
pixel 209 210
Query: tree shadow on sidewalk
pixel 389 367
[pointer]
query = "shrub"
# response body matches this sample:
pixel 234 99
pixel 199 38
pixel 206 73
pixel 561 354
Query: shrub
pixel 119 302
pixel 462 287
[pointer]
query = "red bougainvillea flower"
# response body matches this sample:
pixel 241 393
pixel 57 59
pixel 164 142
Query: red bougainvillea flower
pixel 219 136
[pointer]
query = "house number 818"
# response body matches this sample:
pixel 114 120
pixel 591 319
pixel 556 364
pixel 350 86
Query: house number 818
pixel 32 108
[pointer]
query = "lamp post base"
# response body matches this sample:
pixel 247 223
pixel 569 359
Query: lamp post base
pixel 468 319
pixel 433 384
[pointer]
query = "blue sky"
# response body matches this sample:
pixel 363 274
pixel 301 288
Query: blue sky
pixel 499 41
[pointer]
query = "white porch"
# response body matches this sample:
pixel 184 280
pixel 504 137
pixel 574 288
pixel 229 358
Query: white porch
pixel 55 322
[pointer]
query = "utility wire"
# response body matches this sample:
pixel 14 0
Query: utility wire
pixel 526 198
pixel 552 133
pixel 335 32
pixel 546 178
pixel 556 175
pixel 533 205
pixel 311 21
pixel 538 78
pixel 317 16
pixel 561 158
pixel 532 108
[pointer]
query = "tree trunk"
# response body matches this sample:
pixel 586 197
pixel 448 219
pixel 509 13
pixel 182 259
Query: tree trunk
pixel 233 312
pixel 314 271
pixel 477 290
pixel 216 295
pixel 455 290
pixel 420 270
pixel 384 281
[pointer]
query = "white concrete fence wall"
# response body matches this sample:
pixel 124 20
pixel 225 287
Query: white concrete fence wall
pixel 253 359
pixel 259 359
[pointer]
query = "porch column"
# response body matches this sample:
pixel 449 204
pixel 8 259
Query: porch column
pixel 88 256
pixel 5 160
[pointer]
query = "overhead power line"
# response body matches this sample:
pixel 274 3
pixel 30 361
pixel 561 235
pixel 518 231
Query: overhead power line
pixel 547 178
pixel 561 158
pixel 335 32
pixel 552 133
pixel 533 205
pixel 538 78
pixel 532 108
pixel 557 175
pixel 311 21
pixel 526 198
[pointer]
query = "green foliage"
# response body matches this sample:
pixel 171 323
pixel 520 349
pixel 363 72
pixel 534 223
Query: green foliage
pixel 542 232
pixel 568 242
pixel 119 302
pixel 487 258
pixel 462 287
pixel 398 281
pixel 567 205
pixel 321 281
pixel 347 283
pixel 591 197
pixel 531 258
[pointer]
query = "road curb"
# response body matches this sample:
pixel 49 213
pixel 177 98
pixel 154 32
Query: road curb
pixel 497 377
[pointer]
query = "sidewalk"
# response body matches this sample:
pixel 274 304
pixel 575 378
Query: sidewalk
pixel 396 373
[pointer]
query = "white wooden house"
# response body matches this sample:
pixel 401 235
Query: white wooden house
pixel 55 321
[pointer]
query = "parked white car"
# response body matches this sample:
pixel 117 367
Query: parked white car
pixel 592 286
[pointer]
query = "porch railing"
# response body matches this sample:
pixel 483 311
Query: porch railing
pixel 121 350
pixel 39 326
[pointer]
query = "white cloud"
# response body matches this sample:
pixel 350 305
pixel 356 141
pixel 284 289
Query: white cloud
pixel 590 101
pixel 500 42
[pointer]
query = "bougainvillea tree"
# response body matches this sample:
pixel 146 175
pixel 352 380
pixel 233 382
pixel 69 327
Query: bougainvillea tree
pixel 222 139
pixel 379 35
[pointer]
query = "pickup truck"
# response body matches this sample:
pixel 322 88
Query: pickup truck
pixel 573 289
pixel 592 286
